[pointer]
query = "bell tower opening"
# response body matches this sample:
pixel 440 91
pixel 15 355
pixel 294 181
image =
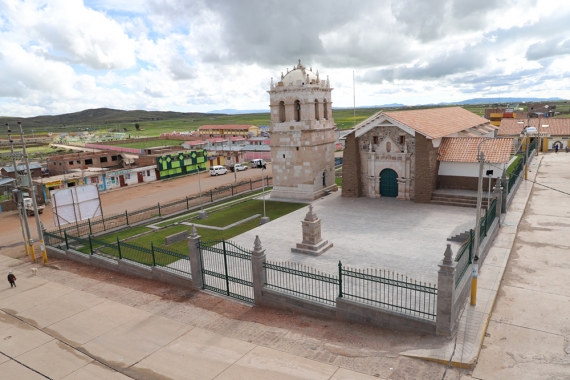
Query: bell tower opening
pixel 281 111
pixel 297 110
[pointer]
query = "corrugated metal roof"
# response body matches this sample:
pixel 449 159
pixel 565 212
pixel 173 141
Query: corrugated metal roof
pixel 33 166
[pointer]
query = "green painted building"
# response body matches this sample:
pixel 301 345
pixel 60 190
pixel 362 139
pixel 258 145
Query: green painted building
pixel 179 163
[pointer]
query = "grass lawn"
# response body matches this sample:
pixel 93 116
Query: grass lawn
pixel 338 181
pixel 150 144
pixel 514 164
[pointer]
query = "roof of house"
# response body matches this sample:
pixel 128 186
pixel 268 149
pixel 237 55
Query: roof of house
pixel 5 181
pixel 216 139
pixel 239 138
pixel 194 142
pixel 439 122
pixel 556 127
pixel 33 166
pixel 464 149
pixel 229 126
pixel 261 138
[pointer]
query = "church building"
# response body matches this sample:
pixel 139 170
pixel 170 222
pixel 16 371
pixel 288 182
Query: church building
pixel 302 135
pixel 396 154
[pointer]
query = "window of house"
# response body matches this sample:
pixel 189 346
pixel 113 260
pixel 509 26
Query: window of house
pixel 402 140
pixel 113 158
pixel 375 140
pixel 89 161
pixel 78 161
pixel 103 159
pixel 70 162
pixel 148 173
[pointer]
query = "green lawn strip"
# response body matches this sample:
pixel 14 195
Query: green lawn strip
pixel 338 181
pixel 514 164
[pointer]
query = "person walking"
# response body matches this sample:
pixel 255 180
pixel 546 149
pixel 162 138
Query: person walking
pixel 556 148
pixel 11 279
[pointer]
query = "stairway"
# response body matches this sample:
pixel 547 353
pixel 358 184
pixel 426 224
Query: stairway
pixel 457 200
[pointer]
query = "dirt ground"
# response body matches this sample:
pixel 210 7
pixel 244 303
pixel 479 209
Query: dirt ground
pixel 129 198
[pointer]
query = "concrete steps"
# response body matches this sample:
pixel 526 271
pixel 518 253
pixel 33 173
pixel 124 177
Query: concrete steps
pixel 457 200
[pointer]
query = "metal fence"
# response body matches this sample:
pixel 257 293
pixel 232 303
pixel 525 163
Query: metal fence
pixel 101 224
pixel 380 288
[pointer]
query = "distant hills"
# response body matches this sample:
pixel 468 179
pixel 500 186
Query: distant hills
pixel 504 100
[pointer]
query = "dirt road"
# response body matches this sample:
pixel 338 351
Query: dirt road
pixel 131 198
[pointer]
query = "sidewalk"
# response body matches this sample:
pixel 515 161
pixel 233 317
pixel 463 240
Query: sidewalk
pixel 64 332
pixel 475 319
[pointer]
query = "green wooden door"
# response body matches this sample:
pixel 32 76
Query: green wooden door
pixel 388 183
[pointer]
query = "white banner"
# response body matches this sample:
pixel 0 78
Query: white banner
pixel 75 204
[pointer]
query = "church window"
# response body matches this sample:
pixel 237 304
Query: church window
pixel 316 109
pixel 297 110
pixel 402 140
pixel 388 146
pixel 281 112
pixel 325 110
pixel 375 140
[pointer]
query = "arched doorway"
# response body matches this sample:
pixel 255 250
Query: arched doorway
pixel 388 183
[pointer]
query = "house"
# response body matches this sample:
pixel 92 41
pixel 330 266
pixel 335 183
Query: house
pixel 174 164
pixel 535 109
pixel 196 144
pixel 495 115
pixel 238 140
pixel 35 170
pixel 66 163
pixel 259 141
pixel 551 131
pixel 228 130
pixel 395 154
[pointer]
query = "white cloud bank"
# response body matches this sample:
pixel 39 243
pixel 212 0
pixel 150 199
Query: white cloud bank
pixel 61 56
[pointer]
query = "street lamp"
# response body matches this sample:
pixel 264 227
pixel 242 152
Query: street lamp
pixel 265 218
pixel 202 214
pixel 481 158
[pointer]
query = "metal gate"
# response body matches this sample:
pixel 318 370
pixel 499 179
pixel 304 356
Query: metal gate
pixel 226 269
pixel 388 183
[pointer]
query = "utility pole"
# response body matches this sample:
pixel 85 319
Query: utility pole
pixel 479 201
pixel 33 191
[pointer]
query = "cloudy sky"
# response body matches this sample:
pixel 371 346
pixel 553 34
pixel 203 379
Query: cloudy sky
pixel 60 56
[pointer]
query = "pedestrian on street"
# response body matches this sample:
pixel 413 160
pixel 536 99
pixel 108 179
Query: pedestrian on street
pixel 11 279
pixel 556 148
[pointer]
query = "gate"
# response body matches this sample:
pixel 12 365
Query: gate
pixel 388 183
pixel 226 269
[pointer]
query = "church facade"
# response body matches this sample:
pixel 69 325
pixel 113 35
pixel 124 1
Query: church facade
pixel 396 154
pixel 302 135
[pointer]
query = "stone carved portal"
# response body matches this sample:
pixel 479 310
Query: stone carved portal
pixel 399 164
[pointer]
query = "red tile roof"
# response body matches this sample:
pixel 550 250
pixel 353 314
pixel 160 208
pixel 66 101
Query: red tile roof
pixel 195 142
pixel 216 139
pixel 556 127
pixel 229 126
pixel 464 149
pixel 438 122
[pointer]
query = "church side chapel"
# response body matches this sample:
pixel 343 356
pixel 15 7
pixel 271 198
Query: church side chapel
pixel 396 154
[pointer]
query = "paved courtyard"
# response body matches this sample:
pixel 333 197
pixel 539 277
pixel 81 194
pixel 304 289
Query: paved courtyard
pixel 383 233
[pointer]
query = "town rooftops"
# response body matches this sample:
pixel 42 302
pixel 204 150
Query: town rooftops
pixel 556 127
pixel 464 149
pixel 10 169
pixel 229 126
pixel 195 142
pixel 439 122
pixel 239 138
pixel 216 139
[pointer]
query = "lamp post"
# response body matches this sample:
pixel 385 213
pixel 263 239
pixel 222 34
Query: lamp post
pixel 265 218
pixel 201 214
pixel 481 159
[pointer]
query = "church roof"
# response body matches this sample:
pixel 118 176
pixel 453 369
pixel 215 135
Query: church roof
pixel 464 149
pixel 439 122
pixel 556 127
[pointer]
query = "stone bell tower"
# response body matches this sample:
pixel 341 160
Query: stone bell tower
pixel 302 135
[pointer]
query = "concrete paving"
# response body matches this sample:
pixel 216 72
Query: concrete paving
pixel 383 233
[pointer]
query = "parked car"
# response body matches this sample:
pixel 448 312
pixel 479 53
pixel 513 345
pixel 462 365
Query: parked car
pixel 238 168
pixel 217 170
pixel 257 163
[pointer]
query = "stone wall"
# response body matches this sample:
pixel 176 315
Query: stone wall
pixel 463 183
pixel 426 169
pixel 351 185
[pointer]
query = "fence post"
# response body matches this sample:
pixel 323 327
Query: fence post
pixel 152 251
pixel 471 237
pixel 505 193
pixel 195 258
pixel 90 244
pixel 211 196
pixel 90 231
pixel 232 187
pixel 66 241
pixel 159 214
pixel 339 279
pixel 250 185
pixel 119 248
pixel 187 204
pixel 486 218
pixel 127 216
pixel 445 323
pixel 258 274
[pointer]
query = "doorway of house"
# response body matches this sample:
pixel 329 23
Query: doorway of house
pixel 388 183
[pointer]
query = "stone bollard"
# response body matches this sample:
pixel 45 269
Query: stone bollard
pixel 445 320
pixel 505 184
pixel 195 258
pixel 258 271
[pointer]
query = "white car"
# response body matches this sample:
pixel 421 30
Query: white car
pixel 239 167
pixel 217 170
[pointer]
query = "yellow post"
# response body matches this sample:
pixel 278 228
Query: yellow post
pixel 44 252
pixel 32 252
pixel 474 282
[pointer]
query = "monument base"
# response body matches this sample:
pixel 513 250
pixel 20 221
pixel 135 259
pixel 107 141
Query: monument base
pixel 313 249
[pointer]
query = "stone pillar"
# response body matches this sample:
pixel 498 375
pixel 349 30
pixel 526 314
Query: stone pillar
pixel 258 271
pixel 499 193
pixel 445 321
pixel 505 183
pixel 313 243
pixel 195 258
